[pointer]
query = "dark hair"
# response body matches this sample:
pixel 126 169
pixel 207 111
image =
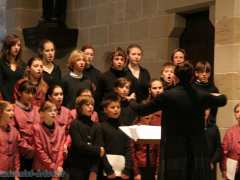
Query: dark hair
pixel 87 46
pixel 51 89
pixel 32 59
pixel 41 46
pixel 236 106
pixel 9 41
pixel 184 72
pixel 109 99
pixel 24 86
pixel 45 106
pixel 165 65
pixel 117 52
pixel 134 46
pixel 82 90
pixel 153 80
pixel 203 66
pixel 120 82
pixel 178 50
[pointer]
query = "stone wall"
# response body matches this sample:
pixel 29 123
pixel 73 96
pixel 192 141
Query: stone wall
pixel 109 23
pixel 2 19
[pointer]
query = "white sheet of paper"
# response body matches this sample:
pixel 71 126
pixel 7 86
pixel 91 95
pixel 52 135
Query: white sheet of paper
pixel 117 162
pixel 231 168
pixel 144 132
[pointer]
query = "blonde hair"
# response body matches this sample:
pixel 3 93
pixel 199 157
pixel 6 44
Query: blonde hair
pixel 3 105
pixel 75 56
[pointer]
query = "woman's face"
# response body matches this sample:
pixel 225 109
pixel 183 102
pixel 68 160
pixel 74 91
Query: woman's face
pixel 48 52
pixel 156 88
pixel 7 114
pixel 135 56
pixel 118 62
pixel 89 56
pixel 15 49
pixel 36 69
pixel 57 96
pixel 178 58
pixel 87 109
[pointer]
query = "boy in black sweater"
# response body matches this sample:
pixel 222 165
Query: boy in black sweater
pixel 115 141
pixel 202 73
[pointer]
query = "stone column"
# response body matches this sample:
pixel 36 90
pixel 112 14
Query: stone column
pixel 2 18
pixel 227 57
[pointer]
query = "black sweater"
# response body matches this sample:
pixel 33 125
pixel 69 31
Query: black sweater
pixel 140 85
pixel 86 142
pixel 116 142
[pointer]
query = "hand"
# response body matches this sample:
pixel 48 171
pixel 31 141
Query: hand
pixel 16 178
pixel 124 176
pixel 137 177
pixel 55 178
pixel 111 176
pixel 59 171
pixel 65 150
pixel 131 97
pixel 102 151
pixel 92 176
pixel 211 166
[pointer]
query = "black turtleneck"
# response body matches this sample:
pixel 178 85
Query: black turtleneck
pixel 208 88
pixel 128 115
pixel 116 142
pixel 93 74
pixel 86 142
pixel 107 82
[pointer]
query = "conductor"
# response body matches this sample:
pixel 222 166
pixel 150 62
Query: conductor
pixel 183 145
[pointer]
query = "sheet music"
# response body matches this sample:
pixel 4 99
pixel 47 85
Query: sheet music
pixel 231 168
pixel 117 162
pixel 144 132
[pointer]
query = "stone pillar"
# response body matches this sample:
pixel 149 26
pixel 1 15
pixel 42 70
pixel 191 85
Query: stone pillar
pixel 2 18
pixel 21 14
pixel 227 58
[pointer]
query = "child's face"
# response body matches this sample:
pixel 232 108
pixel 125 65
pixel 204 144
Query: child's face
pixel 79 65
pixel 118 62
pixel 237 114
pixel 168 74
pixel 48 52
pixel 36 69
pixel 123 91
pixel 202 76
pixel 146 119
pixel 113 110
pixel 178 58
pixel 26 98
pixel 135 55
pixel 156 88
pixel 8 114
pixel 89 55
pixel 49 114
pixel 57 96
pixel 87 109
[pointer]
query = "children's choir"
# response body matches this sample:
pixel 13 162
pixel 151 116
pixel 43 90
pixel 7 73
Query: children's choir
pixel 55 128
